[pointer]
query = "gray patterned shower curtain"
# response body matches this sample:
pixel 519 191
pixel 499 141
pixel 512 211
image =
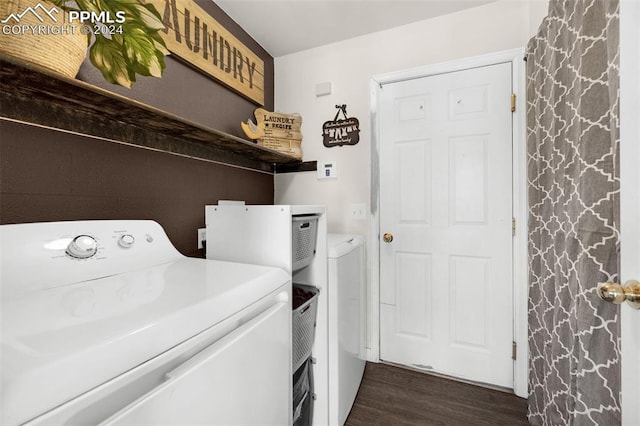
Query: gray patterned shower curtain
pixel 573 178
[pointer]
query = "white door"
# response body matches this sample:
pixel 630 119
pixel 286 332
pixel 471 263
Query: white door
pixel 446 199
pixel 630 203
pixel 630 270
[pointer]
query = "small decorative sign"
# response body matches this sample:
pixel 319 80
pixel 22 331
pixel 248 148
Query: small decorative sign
pixel 196 37
pixel 277 131
pixel 341 132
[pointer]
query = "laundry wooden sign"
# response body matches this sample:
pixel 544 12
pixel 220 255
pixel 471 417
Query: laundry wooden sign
pixel 344 131
pixel 277 131
pixel 197 38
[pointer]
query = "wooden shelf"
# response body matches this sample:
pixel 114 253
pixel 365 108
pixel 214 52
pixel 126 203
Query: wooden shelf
pixel 307 166
pixel 31 94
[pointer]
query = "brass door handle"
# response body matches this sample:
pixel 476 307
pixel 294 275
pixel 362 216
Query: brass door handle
pixel 615 293
pixel 387 237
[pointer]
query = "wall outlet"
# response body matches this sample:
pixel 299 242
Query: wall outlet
pixel 202 237
pixel 358 211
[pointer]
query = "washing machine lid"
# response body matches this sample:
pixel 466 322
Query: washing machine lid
pixel 60 342
pixel 340 244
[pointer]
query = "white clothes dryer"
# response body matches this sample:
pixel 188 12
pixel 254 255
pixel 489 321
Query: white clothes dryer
pixel 105 322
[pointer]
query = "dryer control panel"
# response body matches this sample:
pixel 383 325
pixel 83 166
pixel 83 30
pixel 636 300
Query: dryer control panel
pixel 75 251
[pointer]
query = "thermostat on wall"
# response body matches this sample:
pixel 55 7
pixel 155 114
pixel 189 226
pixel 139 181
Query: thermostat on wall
pixel 327 169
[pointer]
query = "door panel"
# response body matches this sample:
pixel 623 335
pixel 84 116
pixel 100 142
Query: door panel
pixel 446 196
pixel 414 183
pixel 468 318
pixel 468 179
pixel 413 294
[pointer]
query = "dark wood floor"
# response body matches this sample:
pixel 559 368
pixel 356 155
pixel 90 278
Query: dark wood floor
pixel 393 396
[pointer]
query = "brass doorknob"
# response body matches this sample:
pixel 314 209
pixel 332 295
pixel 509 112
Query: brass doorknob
pixel 615 293
pixel 387 237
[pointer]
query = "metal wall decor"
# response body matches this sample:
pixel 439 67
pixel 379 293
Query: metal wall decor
pixel 340 132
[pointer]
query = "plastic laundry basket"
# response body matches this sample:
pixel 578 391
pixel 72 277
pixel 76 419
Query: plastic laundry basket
pixel 304 231
pixel 305 305
pixel 303 395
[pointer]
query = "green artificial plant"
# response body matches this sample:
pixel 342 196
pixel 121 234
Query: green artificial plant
pixel 125 49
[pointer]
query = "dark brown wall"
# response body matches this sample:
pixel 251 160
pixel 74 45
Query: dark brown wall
pixel 191 94
pixel 50 175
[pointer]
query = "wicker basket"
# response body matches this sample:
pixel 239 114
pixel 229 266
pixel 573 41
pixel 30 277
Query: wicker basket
pixel 62 53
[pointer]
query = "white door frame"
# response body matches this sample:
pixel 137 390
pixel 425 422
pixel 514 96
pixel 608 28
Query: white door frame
pixel 520 277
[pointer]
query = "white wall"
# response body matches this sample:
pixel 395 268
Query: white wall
pixel 349 66
pixel 537 11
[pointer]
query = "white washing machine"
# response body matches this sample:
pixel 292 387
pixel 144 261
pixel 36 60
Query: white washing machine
pixel 104 322
pixel 347 322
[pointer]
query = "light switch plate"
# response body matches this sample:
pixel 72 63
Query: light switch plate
pixel 358 211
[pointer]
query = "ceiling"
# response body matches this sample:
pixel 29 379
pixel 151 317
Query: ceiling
pixel 282 27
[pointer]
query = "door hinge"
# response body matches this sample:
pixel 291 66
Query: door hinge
pixel 514 350
pixel 513 102
pixel 513 226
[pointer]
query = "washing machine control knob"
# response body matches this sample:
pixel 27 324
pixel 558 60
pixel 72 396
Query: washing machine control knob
pixel 82 247
pixel 126 241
